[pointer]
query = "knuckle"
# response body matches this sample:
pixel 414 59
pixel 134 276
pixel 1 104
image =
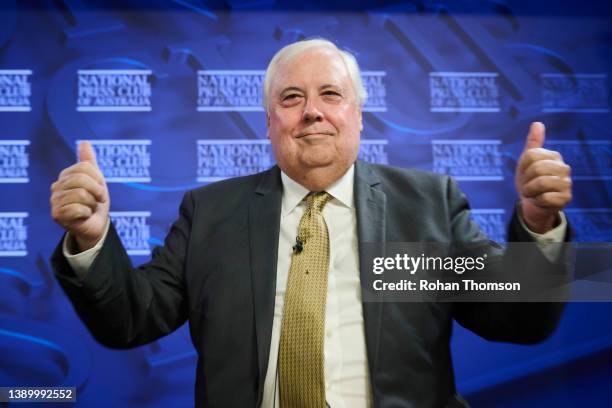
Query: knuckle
pixel 82 194
pixel 58 185
pixel 549 153
pixel 68 170
pixel 556 167
pixel 85 211
pixel 77 212
pixel 60 213
pixel 539 168
pixel 67 179
pixel 99 190
pixel 79 179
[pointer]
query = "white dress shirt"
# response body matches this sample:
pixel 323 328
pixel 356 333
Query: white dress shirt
pixel 347 383
pixel 346 367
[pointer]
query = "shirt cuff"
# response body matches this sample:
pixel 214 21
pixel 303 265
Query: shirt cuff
pixel 80 262
pixel 554 236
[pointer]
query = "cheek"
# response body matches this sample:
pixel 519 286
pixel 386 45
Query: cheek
pixel 350 129
pixel 347 117
pixel 280 127
pixel 283 145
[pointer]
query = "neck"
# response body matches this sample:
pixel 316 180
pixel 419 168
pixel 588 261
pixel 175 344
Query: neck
pixel 318 178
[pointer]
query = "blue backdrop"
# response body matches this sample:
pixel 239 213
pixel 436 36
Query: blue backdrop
pixel 169 93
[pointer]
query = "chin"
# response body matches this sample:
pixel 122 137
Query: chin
pixel 322 153
pixel 317 162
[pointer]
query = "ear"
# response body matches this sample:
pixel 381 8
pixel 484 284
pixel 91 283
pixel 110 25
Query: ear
pixel 360 116
pixel 267 124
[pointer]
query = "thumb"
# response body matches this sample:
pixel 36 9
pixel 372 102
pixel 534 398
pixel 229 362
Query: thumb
pixel 535 137
pixel 86 152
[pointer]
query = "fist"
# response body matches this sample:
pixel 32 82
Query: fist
pixel 80 201
pixel 542 181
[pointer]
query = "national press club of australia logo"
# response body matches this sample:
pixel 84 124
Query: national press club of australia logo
pixel 15 90
pixel 13 234
pixel 221 159
pixel 113 90
pixel 469 160
pixel 123 161
pixel 14 161
pixel 242 90
pixel 133 230
pixel 464 92
pixel 590 159
pixel 374 151
pixel 586 93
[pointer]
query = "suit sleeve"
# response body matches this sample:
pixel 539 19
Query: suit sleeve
pixel 516 322
pixel 124 306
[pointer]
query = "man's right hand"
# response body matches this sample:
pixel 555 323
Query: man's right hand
pixel 80 200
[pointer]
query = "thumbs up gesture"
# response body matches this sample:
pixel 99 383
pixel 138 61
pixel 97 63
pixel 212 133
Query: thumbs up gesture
pixel 542 181
pixel 80 201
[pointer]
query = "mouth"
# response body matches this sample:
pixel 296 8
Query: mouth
pixel 314 134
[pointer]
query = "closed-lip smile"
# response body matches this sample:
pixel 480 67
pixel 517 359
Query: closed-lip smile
pixel 304 134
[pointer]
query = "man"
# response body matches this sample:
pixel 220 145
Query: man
pixel 267 268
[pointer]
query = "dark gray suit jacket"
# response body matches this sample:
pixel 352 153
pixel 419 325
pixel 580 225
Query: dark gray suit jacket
pixel 217 269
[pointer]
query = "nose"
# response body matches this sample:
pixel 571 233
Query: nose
pixel 311 112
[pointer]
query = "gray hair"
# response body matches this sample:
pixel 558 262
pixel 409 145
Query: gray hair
pixel 288 52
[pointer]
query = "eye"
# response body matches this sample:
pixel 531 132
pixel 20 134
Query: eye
pixel 290 97
pixel 332 94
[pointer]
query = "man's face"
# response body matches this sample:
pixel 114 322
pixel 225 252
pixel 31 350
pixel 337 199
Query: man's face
pixel 313 118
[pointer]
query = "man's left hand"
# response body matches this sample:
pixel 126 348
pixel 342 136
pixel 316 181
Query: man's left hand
pixel 542 181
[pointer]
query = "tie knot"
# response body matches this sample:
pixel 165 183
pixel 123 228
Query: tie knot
pixel 316 201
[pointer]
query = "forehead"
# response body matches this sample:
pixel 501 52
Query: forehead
pixel 313 67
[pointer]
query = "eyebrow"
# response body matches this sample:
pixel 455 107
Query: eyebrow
pixel 297 89
pixel 330 86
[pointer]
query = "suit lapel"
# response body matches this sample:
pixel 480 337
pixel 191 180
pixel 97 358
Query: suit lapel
pixel 264 228
pixel 370 202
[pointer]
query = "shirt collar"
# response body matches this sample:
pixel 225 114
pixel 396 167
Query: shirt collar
pixel 341 190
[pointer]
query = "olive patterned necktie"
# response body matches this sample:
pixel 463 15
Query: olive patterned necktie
pixel 302 382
